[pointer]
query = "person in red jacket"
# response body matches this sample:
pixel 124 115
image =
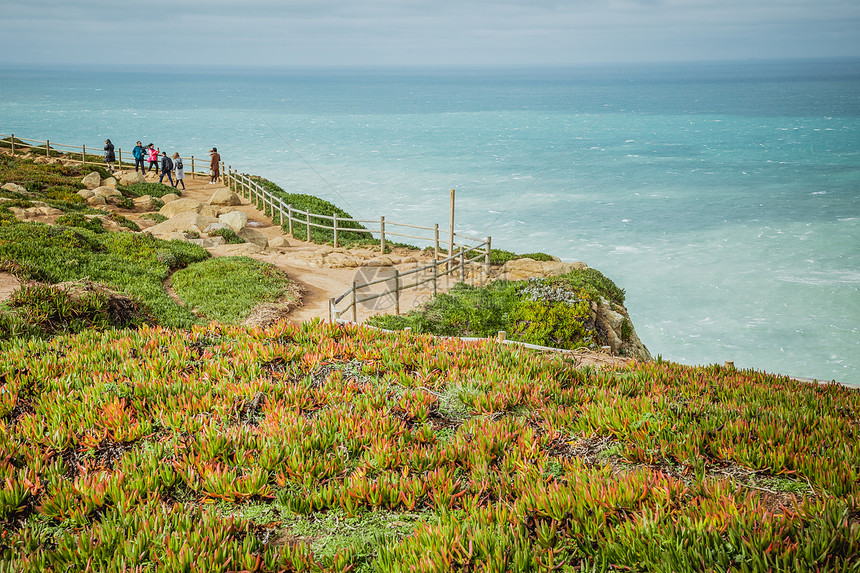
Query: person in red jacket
pixel 153 158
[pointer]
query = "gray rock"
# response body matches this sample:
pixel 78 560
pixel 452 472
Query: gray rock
pixel 14 187
pixel 173 208
pixel 236 219
pixel 255 237
pixel 169 198
pixel 225 196
pixel 187 221
pixel 92 180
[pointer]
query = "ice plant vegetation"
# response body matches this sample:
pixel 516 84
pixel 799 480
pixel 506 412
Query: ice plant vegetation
pixel 336 448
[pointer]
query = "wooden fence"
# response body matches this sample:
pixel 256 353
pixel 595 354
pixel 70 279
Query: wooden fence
pixel 470 253
pixel 93 155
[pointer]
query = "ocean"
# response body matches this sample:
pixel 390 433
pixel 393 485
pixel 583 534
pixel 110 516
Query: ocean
pixel 723 197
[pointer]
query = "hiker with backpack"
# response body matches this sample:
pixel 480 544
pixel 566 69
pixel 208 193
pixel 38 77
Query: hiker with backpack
pixel 178 171
pixel 166 169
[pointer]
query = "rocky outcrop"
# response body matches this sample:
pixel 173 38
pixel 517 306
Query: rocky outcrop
pixel 613 323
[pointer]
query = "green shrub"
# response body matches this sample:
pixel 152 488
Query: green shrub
pixel 320 207
pixel 500 257
pixel 592 283
pixel 157 217
pixel 124 221
pixel 47 310
pixel 155 190
pixel 93 224
pixel 229 236
pixel 226 289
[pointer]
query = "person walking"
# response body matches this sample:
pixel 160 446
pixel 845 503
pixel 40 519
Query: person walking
pixel 178 171
pixel 139 153
pixel 152 153
pixel 109 154
pixel 166 169
pixel 214 166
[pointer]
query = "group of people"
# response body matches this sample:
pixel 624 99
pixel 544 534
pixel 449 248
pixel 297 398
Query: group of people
pixel 169 166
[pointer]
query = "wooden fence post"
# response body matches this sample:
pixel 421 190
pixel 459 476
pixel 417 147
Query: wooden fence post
pixel 462 265
pixel 354 304
pixel 308 222
pixel 12 140
pixel 396 291
pixel 436 242
pixel 487 257
pixel 290 217
pixel 334 224
pixel 83 154
pixel 435 276
pixel 119 157
pixel 193 175
pixel 382 235
pixel 47 148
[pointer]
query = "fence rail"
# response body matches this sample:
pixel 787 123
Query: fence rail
pixel 470 253
pixel 88 155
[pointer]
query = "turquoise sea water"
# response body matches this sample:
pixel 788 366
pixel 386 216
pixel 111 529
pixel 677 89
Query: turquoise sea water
pixel 724 198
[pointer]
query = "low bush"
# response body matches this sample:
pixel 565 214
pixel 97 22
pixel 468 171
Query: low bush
pixel 154 190
pixel 229 236
pixel 500 257
pixel 226 289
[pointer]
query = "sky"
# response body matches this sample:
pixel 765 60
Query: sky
pixel 423 32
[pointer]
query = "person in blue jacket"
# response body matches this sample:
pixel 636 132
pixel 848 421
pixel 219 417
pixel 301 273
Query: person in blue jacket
pixel 139 153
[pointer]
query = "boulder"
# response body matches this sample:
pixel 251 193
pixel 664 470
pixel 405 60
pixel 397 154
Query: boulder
pixel 169 197
pixel 187 221
pixel 92 180
pixel 106 191
pixel 147 203
pixel 279 242
pixel 236 219
pixel 132 177
pixel 382 261
pixel 521 269
pixel 96 200
pixel 209 210
pixel 178 206
pixel 216 227
pixel 254 236
pixel 613 322
pixel 225 196
pixel 340 261
pixel 243 249
pixel 15 188
pixel 85 194
pixel 109 182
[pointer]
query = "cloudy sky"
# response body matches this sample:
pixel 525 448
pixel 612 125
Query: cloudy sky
pixel 423 32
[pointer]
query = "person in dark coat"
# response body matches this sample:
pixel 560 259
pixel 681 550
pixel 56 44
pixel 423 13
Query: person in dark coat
pixel 166 169
pixel 109 155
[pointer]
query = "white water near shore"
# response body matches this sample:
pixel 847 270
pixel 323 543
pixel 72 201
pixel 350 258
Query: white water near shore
pixel 724 199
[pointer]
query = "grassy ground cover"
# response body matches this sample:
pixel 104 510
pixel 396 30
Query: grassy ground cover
pixel 226 289
pixel 551 312
pixel 334 448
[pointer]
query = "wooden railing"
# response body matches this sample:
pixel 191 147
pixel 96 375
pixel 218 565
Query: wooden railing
pixel 470 253
pixel 93 155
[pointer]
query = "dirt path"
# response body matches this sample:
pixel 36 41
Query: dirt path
pixel 319 283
